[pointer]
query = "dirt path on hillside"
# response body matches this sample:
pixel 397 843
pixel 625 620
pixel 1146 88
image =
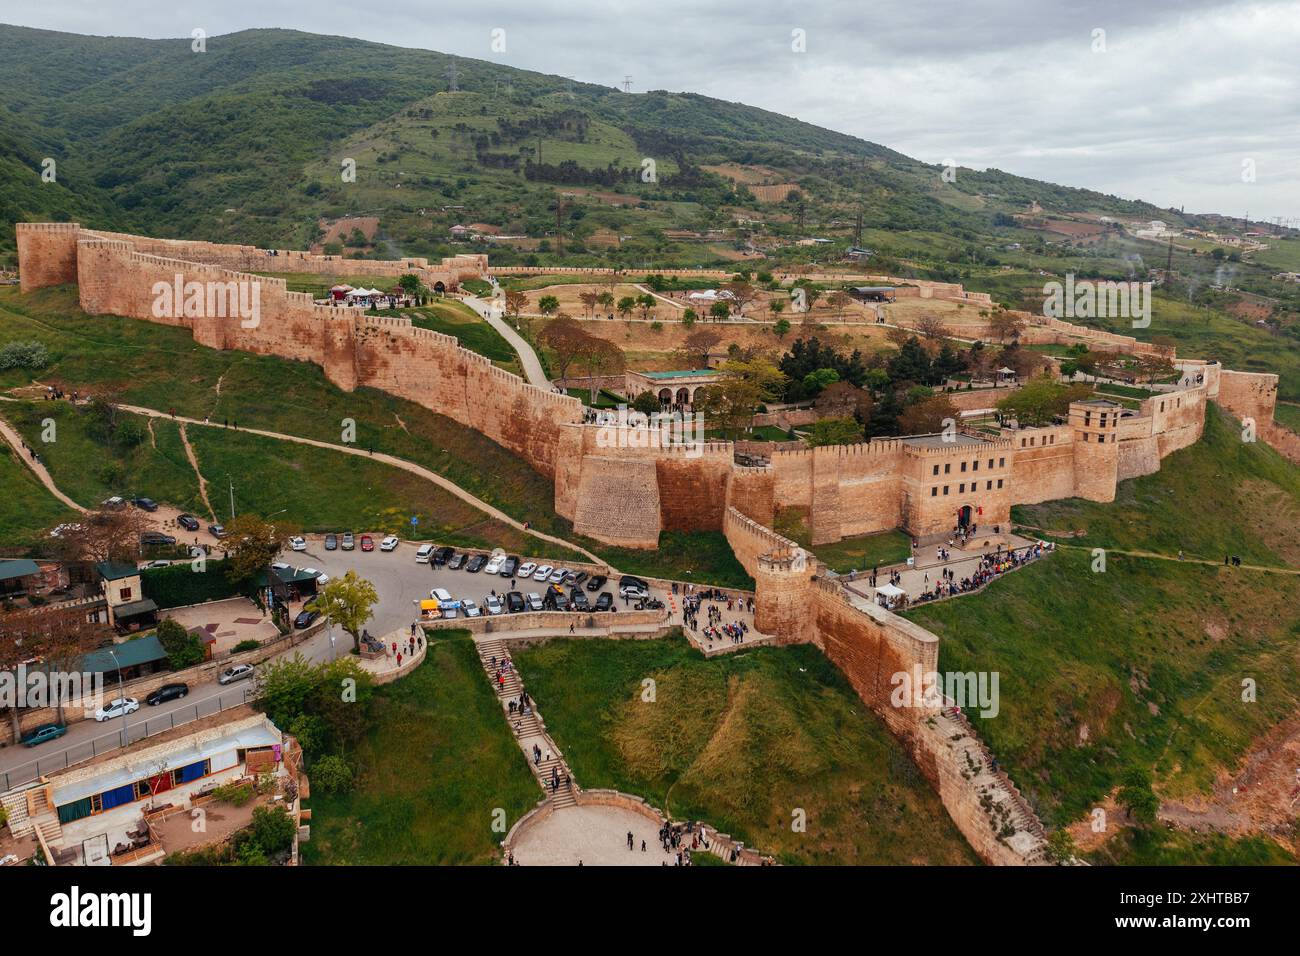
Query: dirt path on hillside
pixel 1055 535
pixel 409 466
pixel 10 435
pixel 194 463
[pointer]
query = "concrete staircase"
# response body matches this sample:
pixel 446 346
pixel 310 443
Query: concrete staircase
pixel 529 729
pixel 15 804
pixel 24 821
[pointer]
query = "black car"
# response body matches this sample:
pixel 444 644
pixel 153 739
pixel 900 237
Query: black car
pixel 578 600
pixel 167 692
pixel 156 539
pixel 441 556
pixel 457 562
pixel 476 563
pixel 508 569
pixel 596 583
pixel 331 542
pixel 515 602
pixel 146 504
pixel 306 619
pixel 188 522
pixel 605 602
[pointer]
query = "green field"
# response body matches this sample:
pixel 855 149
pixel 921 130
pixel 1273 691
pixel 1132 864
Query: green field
pixel 88 470
pixel 26 508
pixel 1288 415
pixel 439 760
pixel 865 551
pixel 467 327
pixel 742 742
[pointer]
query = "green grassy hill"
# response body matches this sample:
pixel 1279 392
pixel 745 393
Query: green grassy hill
pixel 1142 665
pixel 742 742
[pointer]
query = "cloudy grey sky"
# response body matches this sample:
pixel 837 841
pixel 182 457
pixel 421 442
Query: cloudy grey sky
pixel 1173 101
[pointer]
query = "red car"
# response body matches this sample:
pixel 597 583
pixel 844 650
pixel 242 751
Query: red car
pixel 367 543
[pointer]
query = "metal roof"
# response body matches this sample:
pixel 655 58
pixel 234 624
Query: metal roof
pixel 18 568
pixel 142 650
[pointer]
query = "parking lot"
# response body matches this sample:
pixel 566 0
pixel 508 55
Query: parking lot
pixel 402 584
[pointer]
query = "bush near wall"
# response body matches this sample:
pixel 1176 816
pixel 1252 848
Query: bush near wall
pixel 179 585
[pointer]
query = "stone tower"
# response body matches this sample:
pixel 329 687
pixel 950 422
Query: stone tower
pixel 1095 424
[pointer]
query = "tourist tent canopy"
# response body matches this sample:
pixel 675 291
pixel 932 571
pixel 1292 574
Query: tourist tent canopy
pixel 889 590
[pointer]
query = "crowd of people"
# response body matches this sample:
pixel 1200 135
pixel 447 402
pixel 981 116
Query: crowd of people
pixel 714 603
pixel 990 566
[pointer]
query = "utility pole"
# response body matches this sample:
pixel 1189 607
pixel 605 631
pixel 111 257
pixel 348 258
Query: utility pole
pixel 857 230
pixel 232 498
pixel 559 233
pixel 1169 258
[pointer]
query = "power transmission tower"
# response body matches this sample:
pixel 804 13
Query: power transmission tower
pixel 857 230
pixel 627 82
pixel 1169 259
pixel 453 77
pixel 559 232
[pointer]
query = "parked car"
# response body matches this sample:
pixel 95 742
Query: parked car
pixel 297 544
pixel 117 707
pixel 331 542
pixel 442 556
pixel 188 522
pixel 494 566
pixel 389 543
pixel 145 504
pixel 320 576
pixel 306 618
pixel 526 569
pixel 596 583
pixel 237 672
pixel 115 503
pixel 508 569
pixel 542 573
pixel 151 539
pixel 158 564
pixel 470 609
pixel 561 600
pixel 423 553
pixel 577 577
pixel 632 587
pixel 367 543
pixel 217 531
pixel 475 564
pixel 515 602
pixel 605 602
pixel 43 733
pixel 349 542
pixel 557 576
pixel 457 561
pixel 167 692
pixel 448 606
pixel 578 600
pixel 492 604
pixel 534 601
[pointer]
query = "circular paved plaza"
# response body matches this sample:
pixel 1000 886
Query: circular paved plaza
pixel 596 835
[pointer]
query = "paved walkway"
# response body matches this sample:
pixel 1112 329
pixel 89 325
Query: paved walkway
pixel 592 836
pixel 527 357
pixel 928 568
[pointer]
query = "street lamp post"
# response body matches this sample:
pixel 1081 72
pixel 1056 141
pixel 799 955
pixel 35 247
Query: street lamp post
pixel 120 686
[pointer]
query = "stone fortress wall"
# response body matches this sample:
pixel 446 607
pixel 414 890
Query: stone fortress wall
pixel 618 486
pixel 354 349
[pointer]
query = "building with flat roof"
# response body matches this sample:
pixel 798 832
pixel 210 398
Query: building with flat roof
pixel 674 389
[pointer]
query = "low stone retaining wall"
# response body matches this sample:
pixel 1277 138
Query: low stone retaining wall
pixel 505 624
pixel 141 687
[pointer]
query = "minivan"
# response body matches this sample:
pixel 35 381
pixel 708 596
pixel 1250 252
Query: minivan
pixel 423 553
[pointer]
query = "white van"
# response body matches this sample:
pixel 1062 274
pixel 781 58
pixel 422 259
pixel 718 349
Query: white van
pixel 423 554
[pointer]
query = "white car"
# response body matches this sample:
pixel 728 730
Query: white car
pixel 543 573
pixel 470 609
pixel 558 575
pixel 440 594
pixel 526 569
pixel 423 553
pixel 297 544
pixel 534 601
pixel 281 566
pixel 492 604
pixel 117 707
pixel 320 576
pixel 494 566
pixel 389 543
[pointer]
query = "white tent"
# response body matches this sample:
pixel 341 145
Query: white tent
pixel 890 591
